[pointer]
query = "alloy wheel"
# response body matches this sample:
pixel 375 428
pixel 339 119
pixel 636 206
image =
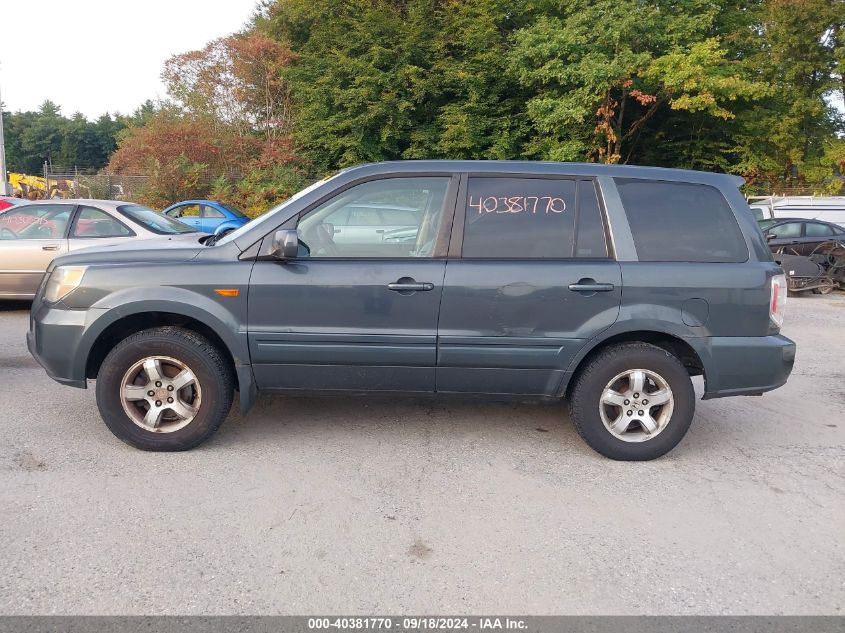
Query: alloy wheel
pixel 160 394
pixel 636 405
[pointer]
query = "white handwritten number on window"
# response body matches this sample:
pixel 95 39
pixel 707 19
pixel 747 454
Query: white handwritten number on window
pixel 517 204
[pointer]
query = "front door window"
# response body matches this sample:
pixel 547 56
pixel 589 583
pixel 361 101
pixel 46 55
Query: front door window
pixel 395 217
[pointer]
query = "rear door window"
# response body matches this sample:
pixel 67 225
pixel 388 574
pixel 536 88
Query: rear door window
pixel 533 218
pixel 681 222
pixel 519 218
pixel 816 229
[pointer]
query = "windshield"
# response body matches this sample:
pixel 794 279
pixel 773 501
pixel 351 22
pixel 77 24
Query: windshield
pixel 248 227
pixel 153 221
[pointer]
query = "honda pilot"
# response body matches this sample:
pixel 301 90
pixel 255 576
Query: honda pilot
pixel 604 286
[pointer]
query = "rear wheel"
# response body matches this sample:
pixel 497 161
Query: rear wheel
pixel 164 389
pixel 634 401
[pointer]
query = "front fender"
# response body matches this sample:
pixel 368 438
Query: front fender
pixel 228 324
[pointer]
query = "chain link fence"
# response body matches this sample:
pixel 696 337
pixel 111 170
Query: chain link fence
pixel 101 185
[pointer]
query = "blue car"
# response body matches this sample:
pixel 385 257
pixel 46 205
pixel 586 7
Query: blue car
pixel 207 216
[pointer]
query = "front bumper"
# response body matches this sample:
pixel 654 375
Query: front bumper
pixel 744 365
pixel 55 341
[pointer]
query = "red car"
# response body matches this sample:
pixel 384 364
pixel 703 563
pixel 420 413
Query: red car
pixel 14 223
pixel 7 201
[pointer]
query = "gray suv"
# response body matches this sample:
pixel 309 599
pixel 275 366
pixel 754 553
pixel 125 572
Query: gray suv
pixel 607 286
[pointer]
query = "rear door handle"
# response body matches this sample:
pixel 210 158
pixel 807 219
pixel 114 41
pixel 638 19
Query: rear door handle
pixel 51 247
pixel 591 286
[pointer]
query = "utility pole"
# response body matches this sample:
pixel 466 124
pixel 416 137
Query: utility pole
pixel 4 185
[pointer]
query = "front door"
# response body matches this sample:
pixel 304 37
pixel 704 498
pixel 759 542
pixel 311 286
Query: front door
pixel 785 238
pixel 190 214
pixel 31 236
pixel 95 227
pixel 359 314
pixel 534 281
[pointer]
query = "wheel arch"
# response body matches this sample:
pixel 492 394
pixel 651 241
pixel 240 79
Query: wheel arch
pixel 672 343
pixel 228 225
pixel 130 324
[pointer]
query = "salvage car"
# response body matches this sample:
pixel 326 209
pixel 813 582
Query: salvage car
pixel 32 235
pixel 821 272
pixel 797 236
pixel 603 285
pixel 207 216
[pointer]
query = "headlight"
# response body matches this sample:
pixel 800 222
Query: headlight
pixel 63 280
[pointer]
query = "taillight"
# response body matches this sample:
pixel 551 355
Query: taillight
pixel 778 300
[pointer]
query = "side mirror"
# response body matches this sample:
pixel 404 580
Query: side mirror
pixel 770 237
pixel 285 244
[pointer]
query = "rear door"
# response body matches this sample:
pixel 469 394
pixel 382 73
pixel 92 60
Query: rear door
pixel 814 234
pixel 529 280
pixel 356 315
pixel 30 237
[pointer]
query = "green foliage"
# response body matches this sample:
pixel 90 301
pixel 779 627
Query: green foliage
pixel 592 95
pixel 742 86
pixel 735 85
pixel 35 137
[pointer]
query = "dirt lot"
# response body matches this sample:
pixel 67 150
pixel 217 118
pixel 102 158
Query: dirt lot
pixel 362 506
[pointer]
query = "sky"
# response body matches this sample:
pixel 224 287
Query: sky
pixel 97 56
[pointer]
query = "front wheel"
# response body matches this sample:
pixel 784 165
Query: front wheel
pixel 164 389
pixel 633 402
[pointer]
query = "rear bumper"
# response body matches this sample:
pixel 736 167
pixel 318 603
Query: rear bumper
pixel 744 366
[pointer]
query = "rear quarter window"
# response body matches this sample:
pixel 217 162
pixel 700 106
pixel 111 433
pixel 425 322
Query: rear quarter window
pixel 681 222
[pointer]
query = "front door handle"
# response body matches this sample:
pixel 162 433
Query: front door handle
pixel 410 287
pixel 591 285
pixel 51 247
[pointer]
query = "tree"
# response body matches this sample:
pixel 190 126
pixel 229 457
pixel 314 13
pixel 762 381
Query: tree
pixel 33 138
pixel 592 96
pixel 362 82
pixel 234 81
pixel 784 139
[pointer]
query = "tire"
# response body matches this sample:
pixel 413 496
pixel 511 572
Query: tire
pixel 618 366
pixel 199 407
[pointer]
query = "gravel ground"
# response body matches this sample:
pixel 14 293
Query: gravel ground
pixel 370 506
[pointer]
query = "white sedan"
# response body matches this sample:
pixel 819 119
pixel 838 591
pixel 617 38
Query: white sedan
pixel 32 235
